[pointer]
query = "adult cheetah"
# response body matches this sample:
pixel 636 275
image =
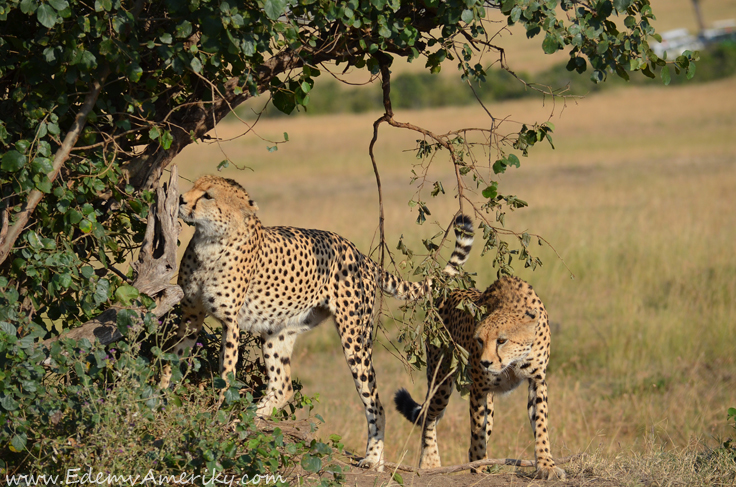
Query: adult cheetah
pixel 278 282
pixel 509 344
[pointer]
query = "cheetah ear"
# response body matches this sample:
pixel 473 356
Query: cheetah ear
pixel 253 205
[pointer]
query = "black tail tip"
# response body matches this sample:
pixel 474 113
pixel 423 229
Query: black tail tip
pixel 406 405
pixel 463 220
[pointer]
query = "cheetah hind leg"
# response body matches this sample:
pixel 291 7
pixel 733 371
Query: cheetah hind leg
pixel 357 345
pixel 277 349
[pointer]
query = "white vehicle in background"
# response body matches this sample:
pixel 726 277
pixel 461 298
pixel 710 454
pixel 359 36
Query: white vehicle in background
pixel 675 42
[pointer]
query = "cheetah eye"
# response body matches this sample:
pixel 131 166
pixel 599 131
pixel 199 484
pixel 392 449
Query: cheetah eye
pixel 207 196
pixel 480 341
pixel 501 341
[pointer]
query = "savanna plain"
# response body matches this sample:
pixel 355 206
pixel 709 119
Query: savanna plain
pixel 637 203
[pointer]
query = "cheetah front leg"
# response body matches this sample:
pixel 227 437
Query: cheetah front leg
pixel 228 352
pixel 277 349
pixel 537 409
pixel 481 421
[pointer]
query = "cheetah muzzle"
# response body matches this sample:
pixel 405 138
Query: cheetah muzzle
pixel 278 282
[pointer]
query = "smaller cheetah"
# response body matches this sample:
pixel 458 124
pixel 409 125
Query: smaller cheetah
pixel 511 343
pixel 278 282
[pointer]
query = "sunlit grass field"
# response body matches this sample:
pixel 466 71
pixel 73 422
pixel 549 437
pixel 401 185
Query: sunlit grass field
pixel 638 199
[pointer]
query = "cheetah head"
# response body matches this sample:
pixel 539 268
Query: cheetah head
pixel 505 338
pixel 216 205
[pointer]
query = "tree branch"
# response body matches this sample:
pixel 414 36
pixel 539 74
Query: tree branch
pixel 35 196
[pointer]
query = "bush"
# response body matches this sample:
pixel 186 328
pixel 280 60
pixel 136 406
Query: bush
pixel 100 410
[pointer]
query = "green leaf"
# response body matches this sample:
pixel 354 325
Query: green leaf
pixel 74 216
pixel 101 290
pixel 311 463
pixel 621 5
pixel 275 8
pixel 101 5
pixel 184 30
pixel 166 38
pixel 398 478
pixel 154 133
pixel 690 71
pixel 28 6
pixel 175 400
pixel 85 226
pixel 126 319
pixel 284 101
pixel 8 403
pixel 59 4
pixel 166 140
pixel 12 161
pixel 550 44
pixel 126 294
pixel 665 75
pixel 43 184
pixel 286 137
pixel 513 160
pixel 499 167
pixel 491 191
pixel 196 65
pixel 18 442
pixel 467 16
pixel 134 72
pixel 46 14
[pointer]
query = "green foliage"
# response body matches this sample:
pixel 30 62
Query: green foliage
pixel 92 402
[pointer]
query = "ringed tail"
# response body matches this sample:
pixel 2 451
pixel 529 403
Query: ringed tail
pixel 464 234
pixel 401 289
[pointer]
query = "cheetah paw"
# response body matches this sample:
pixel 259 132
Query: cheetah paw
pixel 550 473
pixel 371 463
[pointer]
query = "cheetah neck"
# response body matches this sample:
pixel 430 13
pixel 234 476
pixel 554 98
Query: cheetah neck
pixel 245 237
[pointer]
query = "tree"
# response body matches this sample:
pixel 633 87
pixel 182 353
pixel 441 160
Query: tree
pixel 98 98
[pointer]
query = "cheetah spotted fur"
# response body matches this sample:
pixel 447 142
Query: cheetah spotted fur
pixel 510 344
pixel 278 282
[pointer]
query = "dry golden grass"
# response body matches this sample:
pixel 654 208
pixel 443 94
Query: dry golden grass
pixel 638 198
